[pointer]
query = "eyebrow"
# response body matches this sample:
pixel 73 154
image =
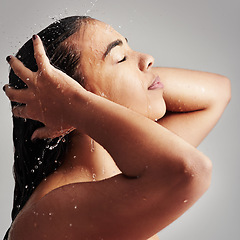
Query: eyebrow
pixel 113 44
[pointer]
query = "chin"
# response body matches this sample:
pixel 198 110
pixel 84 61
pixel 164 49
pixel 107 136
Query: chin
pixel 158 111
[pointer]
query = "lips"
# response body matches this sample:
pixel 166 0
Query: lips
pixel 156 84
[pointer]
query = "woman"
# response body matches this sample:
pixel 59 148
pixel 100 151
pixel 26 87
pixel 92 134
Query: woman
pixel 115 156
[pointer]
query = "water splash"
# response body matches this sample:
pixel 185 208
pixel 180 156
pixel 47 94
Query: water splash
pixel 91 7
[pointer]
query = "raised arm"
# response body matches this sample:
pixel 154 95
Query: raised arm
pixel 156 186
pixel 195 101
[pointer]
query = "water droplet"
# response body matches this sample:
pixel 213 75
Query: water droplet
pixel 50 214
pixel 70 224
pixel 94 177
pixel 75 207
pixel 27 79
pixel 35 213
pixel 32 170
pixel 39 162
pixel 36 167
pixel 74 156
pixel 185 201
pixel 18 206
pixel 26 186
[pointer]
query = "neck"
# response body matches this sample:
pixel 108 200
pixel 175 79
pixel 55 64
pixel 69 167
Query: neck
pixel 85 158
pixel 84 161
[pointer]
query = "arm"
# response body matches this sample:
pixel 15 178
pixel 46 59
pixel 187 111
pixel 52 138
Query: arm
pixel 156 186
pixel 195 101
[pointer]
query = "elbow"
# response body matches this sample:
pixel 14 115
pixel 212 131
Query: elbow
pixel 198 172
pixel 224 85
pixel 227 86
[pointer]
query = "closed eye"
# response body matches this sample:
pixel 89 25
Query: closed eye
pixel 124 59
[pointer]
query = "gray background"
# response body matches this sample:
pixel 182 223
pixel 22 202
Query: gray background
pixel 202 35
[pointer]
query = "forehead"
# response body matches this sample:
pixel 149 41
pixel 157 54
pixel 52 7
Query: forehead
pixel 94 37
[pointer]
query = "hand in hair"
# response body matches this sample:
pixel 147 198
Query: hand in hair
pixel 48 96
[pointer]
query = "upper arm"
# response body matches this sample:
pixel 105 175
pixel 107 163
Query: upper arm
pixel 116 208
pixel 195 101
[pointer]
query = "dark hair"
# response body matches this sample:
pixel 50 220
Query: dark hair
pixel 34 161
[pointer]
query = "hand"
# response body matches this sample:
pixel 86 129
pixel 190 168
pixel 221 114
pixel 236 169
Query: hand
pixel 48 96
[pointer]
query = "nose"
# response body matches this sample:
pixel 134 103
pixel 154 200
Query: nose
pixel 145 62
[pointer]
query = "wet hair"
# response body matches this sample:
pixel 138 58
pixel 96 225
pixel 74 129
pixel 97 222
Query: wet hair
pixel 34 161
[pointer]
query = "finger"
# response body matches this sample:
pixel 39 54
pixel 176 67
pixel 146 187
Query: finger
pixel 46 132
pixel 19 69
pixel 17 95
pixel 20 111
pixel 39 53
pixel 43 133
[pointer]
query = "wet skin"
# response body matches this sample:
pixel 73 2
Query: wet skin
pixel 128 85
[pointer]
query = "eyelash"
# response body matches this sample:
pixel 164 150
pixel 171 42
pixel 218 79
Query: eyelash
pixel 124 59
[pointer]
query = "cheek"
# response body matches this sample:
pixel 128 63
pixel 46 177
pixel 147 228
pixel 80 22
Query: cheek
pixel 94 79
pixel 127 91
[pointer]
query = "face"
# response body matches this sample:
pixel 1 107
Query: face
pixel 113 70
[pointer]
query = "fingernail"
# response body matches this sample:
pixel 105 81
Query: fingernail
pixel 34 37
pixel 8 58
pixel 4 88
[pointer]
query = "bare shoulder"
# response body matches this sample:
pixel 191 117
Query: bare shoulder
pixel 81 209
pixel 115 208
